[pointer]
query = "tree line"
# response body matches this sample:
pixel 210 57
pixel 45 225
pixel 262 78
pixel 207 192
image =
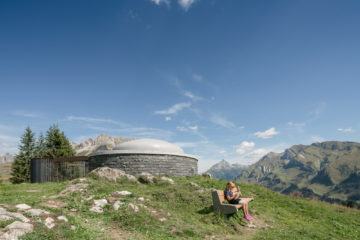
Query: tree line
pixel 54 144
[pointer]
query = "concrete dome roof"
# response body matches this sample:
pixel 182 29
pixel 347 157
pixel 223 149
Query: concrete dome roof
pixel 152 146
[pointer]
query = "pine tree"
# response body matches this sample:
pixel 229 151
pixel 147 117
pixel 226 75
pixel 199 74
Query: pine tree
pixel 21 166
pixel 40 148
pixel 57 144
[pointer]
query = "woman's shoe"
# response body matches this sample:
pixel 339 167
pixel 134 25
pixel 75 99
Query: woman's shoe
pixel 250 217
pixel 247 218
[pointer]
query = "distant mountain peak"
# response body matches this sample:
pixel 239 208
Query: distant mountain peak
pixel 103 142
pixel 225 170
pixel 222 163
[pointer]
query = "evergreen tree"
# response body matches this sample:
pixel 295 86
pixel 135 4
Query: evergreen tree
pixel 21 166
pixel 57 144
pixel 40 148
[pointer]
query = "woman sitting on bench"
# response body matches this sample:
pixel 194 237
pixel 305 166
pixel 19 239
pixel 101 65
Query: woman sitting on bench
pixel 233 196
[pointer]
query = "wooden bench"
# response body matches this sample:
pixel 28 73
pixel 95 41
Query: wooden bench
pixel 221 207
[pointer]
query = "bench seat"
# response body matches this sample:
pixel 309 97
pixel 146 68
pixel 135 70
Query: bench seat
pixel 219 206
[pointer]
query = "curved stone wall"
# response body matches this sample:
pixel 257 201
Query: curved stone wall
pixel 156 164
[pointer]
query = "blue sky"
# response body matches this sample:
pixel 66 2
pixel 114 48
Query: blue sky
pixel 223 79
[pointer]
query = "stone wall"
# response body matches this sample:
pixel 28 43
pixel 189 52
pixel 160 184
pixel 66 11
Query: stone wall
pixel 156 164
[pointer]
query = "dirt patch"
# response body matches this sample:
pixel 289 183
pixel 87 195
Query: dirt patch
pixel 57 204
pixel 248 230
pixel 33 191
pixel 72 188
pixel 116 233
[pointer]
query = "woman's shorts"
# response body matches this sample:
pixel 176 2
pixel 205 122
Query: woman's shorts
pixel 236 201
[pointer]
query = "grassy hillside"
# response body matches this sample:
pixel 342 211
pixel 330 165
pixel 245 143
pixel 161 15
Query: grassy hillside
pixel 179 211
pixel 5 170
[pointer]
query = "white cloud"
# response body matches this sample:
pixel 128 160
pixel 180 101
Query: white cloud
pixel 296 124
pixel 112 127
pixel 221 121
pixel 346 130
pixel 271 132
pixel 131 131
pixel 168 118
pixel 192 96
pixel 317 139
pixel 146 132
pixel 181 128
pixel 254 156
pixel 188 144
pixel 187 128
pixel 222 152
pixel 28 114
pixel 186 93
pixel 174 109
pixel 92 120
pixel 247 154
pixel 197 77
pixel 186 4
pixel 159 2
pixel 194 128
pixel 244 147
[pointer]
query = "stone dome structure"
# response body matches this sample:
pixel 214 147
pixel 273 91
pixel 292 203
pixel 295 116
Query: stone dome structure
pixel 150 146
pixel 146 155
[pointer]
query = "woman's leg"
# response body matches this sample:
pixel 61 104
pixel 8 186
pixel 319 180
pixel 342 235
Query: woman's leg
pixel 243 210
pixel 246 209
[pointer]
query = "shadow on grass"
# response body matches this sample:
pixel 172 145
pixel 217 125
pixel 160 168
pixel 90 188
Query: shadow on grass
pixel 210 209
pixel 206 210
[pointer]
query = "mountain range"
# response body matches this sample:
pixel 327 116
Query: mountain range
pixel 101 142
pixel 225 170
pixel 327 171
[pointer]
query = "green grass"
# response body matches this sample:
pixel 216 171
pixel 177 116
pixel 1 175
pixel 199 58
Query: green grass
pixel 189 213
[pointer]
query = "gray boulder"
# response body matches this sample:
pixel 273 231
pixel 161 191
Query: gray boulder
pixel 112 174
pixel 146 178
pixel 164 179
pixel 15 230
pixel 37 212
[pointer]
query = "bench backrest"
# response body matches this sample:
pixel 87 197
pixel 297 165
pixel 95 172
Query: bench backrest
pixel 217 197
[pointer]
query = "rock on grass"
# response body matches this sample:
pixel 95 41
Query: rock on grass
pixel 49 223
pixel 15 230
pixel 22 206
pixel 121 193
pixel 112 174
pixel 146 178
pixel 117 205
pixel 37 212
pixel 62 218
pixel 165 180
pixel 77 187
pixel 101 202
pixel 133 207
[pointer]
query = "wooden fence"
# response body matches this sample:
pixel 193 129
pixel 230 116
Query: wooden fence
pixel 59 169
